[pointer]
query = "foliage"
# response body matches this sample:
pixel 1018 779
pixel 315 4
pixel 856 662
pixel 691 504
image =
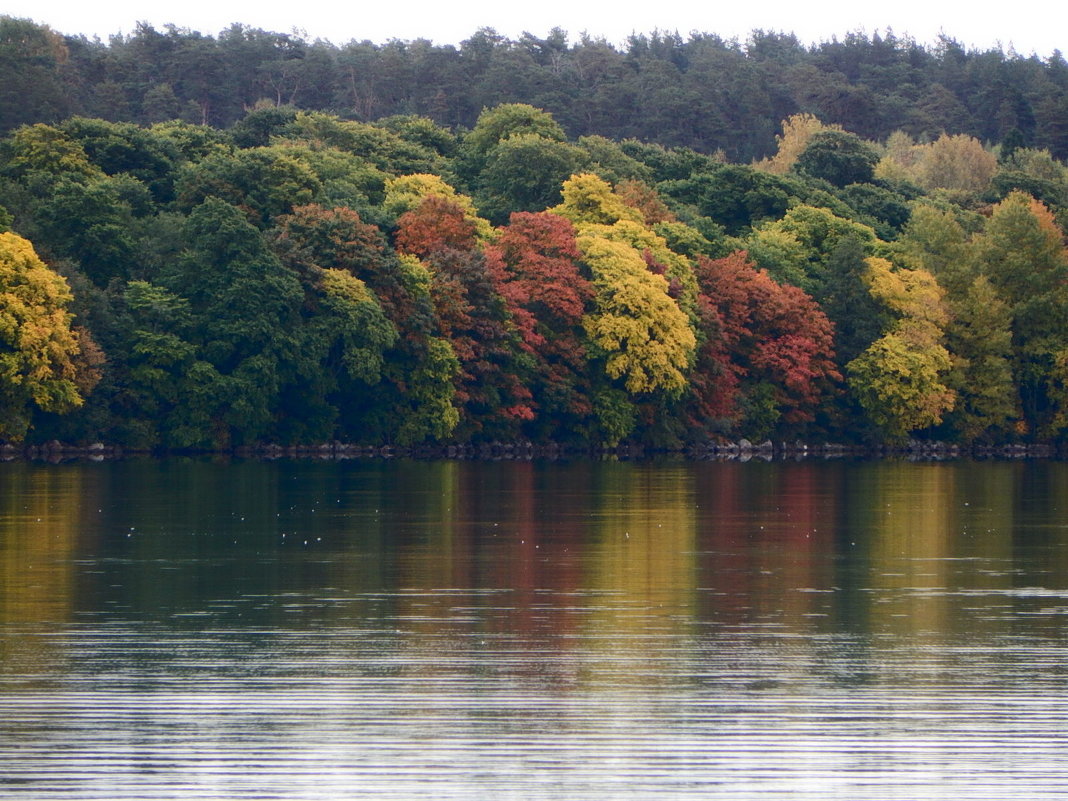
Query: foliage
pixel 1021 250
pixel 838 157
pixel 958 162
pixel 535 263
pixel 250 256
pixel 587 198
pixel 979 338
pixel 244 308
pixel 265 182
pixel 406 192
pixel 900 379
pixel 38 348
pixel 435 224
pixel 771 338
pixel 524 173
pixel 642 334
pixel 797 131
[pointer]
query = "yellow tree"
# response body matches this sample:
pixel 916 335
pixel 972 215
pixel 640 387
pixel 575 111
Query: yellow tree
pixel 589 199
pixel 646 339
pixel 37 346
pixel 642 325
pixel 951 162
pixel 900 378
pixel 957 162
pixel 797 130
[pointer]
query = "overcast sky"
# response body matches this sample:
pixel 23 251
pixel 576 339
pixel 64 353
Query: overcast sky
pixel 1040 29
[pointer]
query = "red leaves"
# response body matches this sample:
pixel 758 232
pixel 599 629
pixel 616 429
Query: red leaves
pixel 767 332
pixel 435 224
pixel 537 267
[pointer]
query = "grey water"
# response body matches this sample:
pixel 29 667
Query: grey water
pixel 592 630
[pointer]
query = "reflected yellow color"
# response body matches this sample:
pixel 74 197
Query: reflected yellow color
pixel 642 566
pixel 40 513
pixel 913 520
pixel 40 517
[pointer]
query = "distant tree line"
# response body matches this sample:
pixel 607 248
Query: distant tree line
pixel 702 91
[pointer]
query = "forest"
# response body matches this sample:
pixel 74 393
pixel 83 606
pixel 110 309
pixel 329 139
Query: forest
pixel 218 242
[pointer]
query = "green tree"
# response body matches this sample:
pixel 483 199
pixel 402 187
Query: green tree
pixel 817 233
pixel 46 151
pixel 32 58
pixel 497 124
pixel 979 337
pixel 1021 250
pixel 245 324
pixel 385 150
pixel 415 400
pixel 126 148
pixel 263 181
pixel 524 173
pixel 934 240
pixel 838 157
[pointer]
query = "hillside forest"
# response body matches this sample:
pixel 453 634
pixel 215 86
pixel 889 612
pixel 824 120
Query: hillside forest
pixel 213 242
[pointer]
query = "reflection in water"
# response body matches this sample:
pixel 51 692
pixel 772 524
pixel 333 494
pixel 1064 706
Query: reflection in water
pixel 590 630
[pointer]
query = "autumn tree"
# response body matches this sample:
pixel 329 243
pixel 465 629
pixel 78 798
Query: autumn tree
pixel 535 263
pixel 797 131
pixel 413 401
pixel 436 223
pixel 900 379
pixel 643 336
pixel 589 199
pixel 770 347
pixel 471 314
pixel 38 348
pixel 957 162
pixel 406 192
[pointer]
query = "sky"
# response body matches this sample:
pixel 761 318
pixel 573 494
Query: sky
pixel 1039 31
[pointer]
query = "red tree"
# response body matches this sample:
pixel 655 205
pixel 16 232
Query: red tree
pixel 535 266
pixel 763 332
pixel 435 224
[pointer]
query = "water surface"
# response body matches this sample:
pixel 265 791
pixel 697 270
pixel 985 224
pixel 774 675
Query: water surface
pixel 460 630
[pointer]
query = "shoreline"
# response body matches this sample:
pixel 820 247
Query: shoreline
pixel 741 450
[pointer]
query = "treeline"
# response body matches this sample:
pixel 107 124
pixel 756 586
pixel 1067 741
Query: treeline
pixel 701 92
pixel 303 278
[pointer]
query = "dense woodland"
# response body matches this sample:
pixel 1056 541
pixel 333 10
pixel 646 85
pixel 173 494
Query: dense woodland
pixel 212 242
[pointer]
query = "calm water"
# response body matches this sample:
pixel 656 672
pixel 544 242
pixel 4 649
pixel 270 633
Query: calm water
pixel 498 631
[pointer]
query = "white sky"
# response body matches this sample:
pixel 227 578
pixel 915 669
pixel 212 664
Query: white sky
pixel 1038 29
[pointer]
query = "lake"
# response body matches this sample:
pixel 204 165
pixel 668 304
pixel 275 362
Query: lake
pixel 588 630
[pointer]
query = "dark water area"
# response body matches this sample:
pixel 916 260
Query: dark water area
pixel 595 630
